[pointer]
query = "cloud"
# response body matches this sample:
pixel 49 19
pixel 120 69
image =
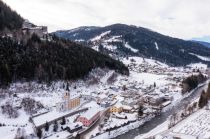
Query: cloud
pixel 178 18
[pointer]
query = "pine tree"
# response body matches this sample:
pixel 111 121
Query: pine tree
pixel 154 84
pixel 208 92
pixel 46 126
pixel 5 74
pixel 140 111
pixel 124 87
pixel 39 133
pixel 203 100
pixel 55 128
pixel 63 121
pixel 67 86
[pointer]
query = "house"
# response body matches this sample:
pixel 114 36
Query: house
pixel 105 104
pixel 89 117
pixel 127 109
pixel 116 108
pixel 88 97
pixel 101 98
pixel 148 111
pixel 130 101
pixel 119 116
pixel 153 99
pixel 164 104
pixel 69 101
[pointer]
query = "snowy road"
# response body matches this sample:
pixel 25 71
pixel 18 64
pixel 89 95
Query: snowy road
pixel 163 117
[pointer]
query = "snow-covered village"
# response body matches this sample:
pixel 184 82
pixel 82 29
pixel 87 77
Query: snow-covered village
pixel 91 79
pixel 103 105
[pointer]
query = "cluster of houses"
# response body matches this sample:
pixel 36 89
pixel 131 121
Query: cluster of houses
pixel 146 67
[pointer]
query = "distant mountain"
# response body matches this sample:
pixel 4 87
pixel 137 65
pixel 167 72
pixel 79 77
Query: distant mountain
pixel 9 19
pixel 204 43
pixel 124 40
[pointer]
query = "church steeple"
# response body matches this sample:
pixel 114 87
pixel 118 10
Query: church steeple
pixel 67 86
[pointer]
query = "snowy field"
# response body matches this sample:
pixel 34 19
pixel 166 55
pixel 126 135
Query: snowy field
pixel 197 125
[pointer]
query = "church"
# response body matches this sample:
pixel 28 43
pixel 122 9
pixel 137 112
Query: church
pixel 69 101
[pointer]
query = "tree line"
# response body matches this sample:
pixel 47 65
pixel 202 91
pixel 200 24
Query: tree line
pixel 9 20
pixel 192 82
pixel 204 98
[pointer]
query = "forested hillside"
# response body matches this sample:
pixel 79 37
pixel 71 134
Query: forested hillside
pixel 9 20
pixel 50 60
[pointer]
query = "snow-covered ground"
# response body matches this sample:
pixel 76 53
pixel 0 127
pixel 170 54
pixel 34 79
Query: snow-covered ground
pixel 156 46
pixel 131 48
pixel 197 125
pixel 100 36
pixel 11 125
pixel 197 65
pixel 204 58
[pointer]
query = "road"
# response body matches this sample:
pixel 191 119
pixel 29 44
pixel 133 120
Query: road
pixel 164 115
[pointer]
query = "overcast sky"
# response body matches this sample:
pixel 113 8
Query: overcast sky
pixel 185 19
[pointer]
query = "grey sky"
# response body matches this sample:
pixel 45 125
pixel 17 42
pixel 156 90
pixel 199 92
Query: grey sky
pixel 178 18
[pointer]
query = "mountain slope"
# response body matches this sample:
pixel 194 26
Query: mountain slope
pixel 49 61
pixel 31 58
pixel 204 43
pixel 124 40
pixel 9 19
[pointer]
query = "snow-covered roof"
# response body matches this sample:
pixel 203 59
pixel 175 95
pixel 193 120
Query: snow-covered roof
pixel 90 113
pixel 102 96
pixel 118 105
pixel 91 105
pixel 119 115
pixel 126 107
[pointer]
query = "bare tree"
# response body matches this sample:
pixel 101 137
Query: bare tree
pixel 9 110
pixel 30 105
